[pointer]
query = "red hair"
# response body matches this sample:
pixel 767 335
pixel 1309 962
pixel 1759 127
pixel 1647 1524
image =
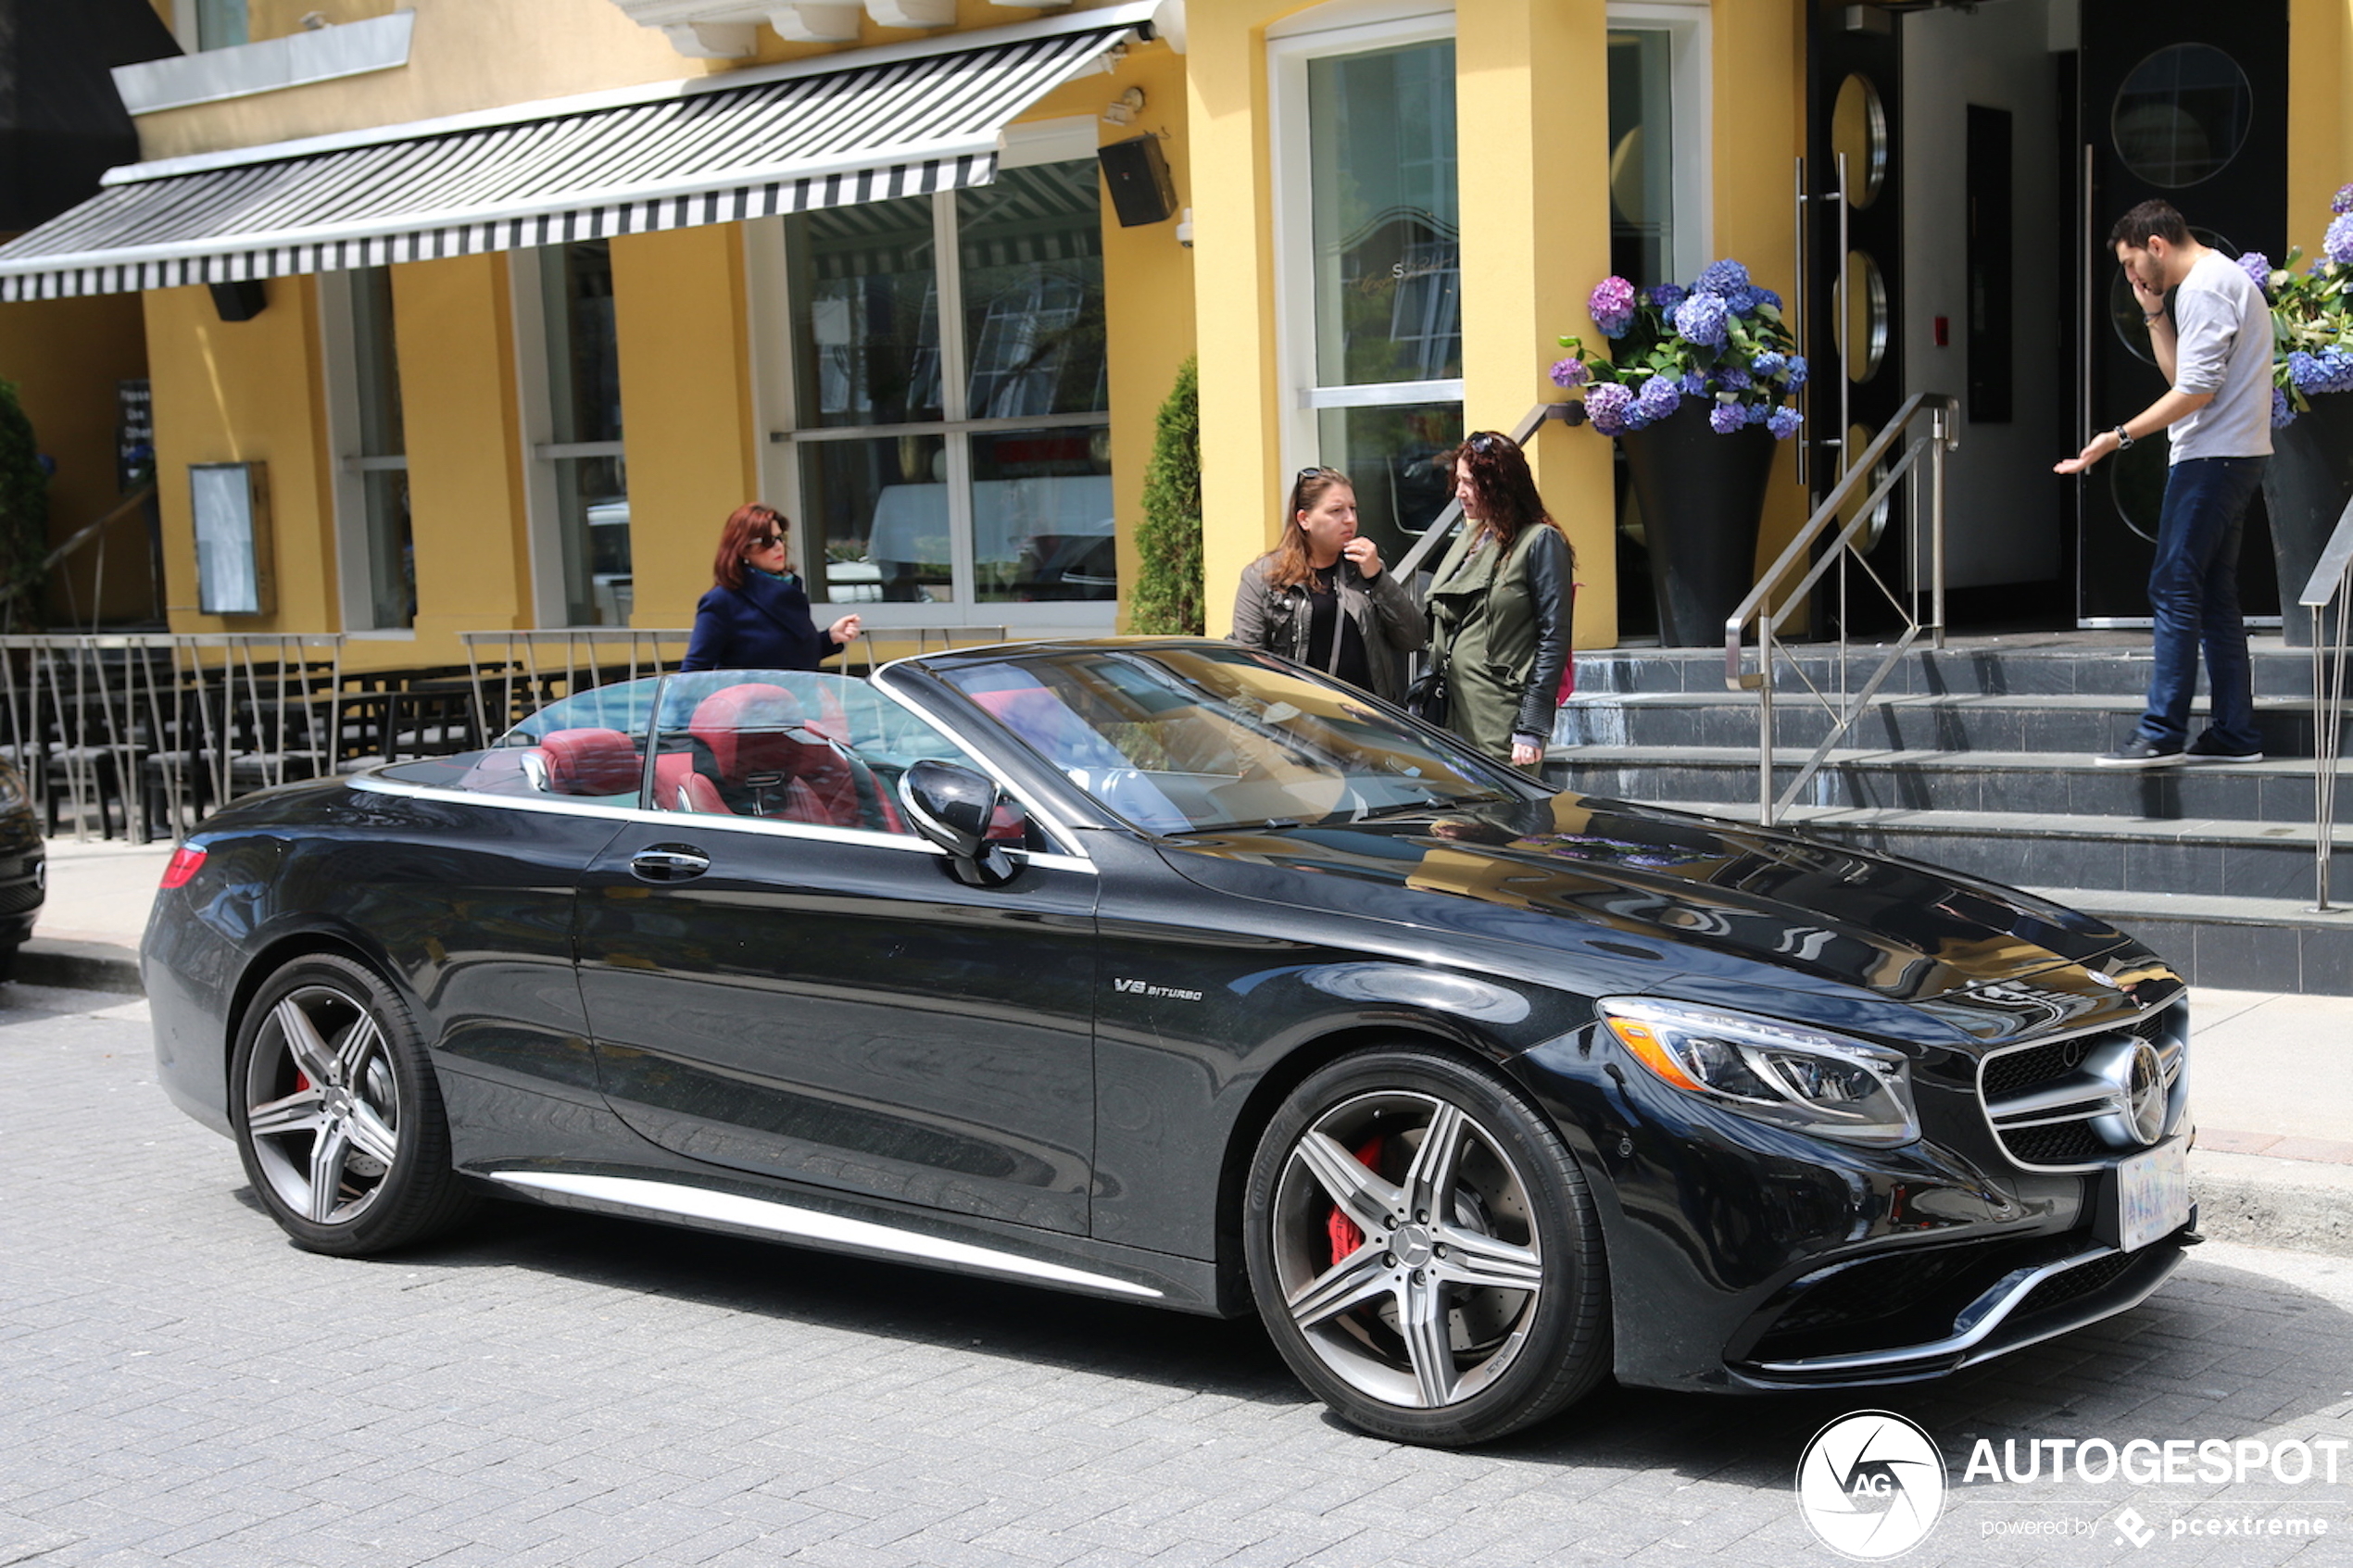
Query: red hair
pixel 727 567
pixel 1499 472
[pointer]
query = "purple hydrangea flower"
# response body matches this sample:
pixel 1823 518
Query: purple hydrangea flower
pixel 1797 371
pixel 1731 378
pixel 2343 201
pixel 2257 266
pixel 1612 306
pixel 2282 412
pixel 1756 413
pixel 1767 297
pixel 2338 243
pixel 1726 418
pixel 1783 422
pixel 1605 405
pixel 1571 372
pixel 2331 370
pixel 1657 399
pixel 1666 296
pixel 1694 383
pixel 1767 365
pixel 1724 277
pixel 1701 320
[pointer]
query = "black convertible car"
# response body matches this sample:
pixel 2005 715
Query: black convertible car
pixel 1169 971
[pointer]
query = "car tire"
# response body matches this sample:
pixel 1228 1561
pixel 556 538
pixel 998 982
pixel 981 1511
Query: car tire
pixel 1445 1300
pixel 337 1115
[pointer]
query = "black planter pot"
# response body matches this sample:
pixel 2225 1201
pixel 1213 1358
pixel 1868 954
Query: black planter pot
pixel 2304 488
pixel 1701 495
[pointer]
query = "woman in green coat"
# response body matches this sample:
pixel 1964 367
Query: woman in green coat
pixel 1498 606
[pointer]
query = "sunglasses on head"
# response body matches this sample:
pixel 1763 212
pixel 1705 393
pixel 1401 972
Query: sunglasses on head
pixel 1485 442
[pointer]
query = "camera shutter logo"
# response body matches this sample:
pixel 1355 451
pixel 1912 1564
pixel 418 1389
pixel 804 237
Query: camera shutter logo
pixel 1870 1485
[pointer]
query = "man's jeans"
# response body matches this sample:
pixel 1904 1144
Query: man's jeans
pixel 2193 587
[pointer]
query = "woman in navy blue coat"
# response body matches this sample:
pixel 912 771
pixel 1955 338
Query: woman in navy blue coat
pixel 756 616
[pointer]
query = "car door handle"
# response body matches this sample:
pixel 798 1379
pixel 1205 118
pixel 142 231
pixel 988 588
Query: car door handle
pixel 668 862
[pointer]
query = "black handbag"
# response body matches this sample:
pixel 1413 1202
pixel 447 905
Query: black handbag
pixel 1425 699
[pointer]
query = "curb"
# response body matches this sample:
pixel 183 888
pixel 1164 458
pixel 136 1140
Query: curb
pixel 81 966
pixel 2300 1205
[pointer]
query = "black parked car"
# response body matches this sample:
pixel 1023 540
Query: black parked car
pixel 1169 971
pixel 24 868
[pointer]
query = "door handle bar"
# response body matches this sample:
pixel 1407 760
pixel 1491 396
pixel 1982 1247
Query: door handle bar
pixel 669 863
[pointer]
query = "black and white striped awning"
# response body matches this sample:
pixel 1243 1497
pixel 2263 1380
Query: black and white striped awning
pixel 894 121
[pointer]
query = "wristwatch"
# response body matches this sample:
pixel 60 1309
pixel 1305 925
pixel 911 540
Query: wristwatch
pixel 2124 437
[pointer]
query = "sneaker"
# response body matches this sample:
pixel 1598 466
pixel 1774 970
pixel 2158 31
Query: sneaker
pixel 2206 749
pixel 2141 752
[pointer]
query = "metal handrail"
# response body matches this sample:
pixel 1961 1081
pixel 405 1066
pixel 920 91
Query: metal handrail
pixel 1442 525
pixel 1943 436
pixel 2331 580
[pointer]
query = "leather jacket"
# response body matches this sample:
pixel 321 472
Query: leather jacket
pixel 1279 619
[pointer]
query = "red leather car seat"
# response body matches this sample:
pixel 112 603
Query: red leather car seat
pixel 764 760
pixel 590 762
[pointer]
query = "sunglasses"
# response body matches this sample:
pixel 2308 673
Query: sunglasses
pixel 1484 443
pixel 763 541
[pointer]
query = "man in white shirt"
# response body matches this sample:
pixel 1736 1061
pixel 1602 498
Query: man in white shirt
pixel 2215 347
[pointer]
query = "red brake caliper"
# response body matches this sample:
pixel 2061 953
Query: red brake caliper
pixel 1346 1237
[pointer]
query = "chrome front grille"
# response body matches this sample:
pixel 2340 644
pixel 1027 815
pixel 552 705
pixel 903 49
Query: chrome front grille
pixel 2059 1104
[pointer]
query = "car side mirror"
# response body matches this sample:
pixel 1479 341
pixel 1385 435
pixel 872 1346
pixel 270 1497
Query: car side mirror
pixel 953 807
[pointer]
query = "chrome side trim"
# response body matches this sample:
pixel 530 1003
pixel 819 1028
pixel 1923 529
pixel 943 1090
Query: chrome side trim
pixel 905 843
pixel 1976 1322
pixel 808 1225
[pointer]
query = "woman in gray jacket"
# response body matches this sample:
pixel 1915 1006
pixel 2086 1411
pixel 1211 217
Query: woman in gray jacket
pixel 1321 598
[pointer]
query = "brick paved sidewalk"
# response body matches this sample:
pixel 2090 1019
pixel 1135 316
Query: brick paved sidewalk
pixel 178 1385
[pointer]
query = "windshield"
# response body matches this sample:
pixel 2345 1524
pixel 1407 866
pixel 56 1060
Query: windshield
pixel 1216 738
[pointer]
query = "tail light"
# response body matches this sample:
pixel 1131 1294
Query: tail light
pixel 186 861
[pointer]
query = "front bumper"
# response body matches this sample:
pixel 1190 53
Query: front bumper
pixel 1745 1256
pixel 1960 1324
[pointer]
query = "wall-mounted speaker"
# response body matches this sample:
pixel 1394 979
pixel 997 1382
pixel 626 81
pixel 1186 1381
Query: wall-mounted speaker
pixel 240 302
pixel 1136 172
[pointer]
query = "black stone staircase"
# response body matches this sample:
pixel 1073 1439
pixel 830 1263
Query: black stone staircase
pixel 1979 756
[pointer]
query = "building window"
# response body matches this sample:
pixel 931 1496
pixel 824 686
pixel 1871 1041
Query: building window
pixel 221 24
pixel 952 430
pixel 1658 91
pixel 1369 253
pixel 383 461
pixel 583 448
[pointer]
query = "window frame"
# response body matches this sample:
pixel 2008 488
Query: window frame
pixel 1689 27
pixel 1291 177
pixel 769 321
pixel 535 421
pixel 348 467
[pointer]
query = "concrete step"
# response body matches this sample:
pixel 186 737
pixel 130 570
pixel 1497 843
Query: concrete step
pixel 2202 856
pixel 2065 663
pixel 2277 789
pixel 2238 944
pixel 2077 724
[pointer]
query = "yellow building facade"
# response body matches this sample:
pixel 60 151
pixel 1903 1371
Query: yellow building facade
pixel 1385 214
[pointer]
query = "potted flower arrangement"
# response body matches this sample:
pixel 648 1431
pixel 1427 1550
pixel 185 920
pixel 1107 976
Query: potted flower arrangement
pixel 1697 386
pixel 2310 476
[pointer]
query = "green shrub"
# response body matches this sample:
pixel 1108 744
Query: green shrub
pixel 1168 595
pixel 24 513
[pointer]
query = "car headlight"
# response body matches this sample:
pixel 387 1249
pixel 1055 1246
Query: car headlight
pixel 1784 1073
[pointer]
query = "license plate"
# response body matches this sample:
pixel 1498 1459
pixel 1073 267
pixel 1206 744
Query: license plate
pixel 2153 1194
